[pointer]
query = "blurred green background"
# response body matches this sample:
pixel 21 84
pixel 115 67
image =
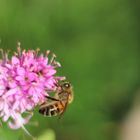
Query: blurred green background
pixel 97 42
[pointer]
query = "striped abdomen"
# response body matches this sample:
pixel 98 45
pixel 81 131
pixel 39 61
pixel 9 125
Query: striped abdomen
pixel 53 109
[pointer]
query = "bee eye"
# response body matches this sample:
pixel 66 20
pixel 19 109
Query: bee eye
pixel 67 85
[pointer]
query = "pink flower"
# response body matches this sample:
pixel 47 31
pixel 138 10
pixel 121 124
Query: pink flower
pixel 25 79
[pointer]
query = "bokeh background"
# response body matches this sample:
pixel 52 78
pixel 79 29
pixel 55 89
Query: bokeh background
pixel 98 45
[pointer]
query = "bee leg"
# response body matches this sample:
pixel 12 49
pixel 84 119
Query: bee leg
pixel 51 98
pixel 65 106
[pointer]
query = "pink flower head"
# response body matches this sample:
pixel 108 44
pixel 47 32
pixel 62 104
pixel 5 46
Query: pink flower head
pixel 25 79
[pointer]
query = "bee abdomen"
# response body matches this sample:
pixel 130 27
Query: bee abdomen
pixel 51 110
pixel 44 111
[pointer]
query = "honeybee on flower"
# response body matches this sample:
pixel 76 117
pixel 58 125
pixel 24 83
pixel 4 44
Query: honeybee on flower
pixel 25 80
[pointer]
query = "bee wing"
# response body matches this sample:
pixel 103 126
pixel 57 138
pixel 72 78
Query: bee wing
pixel 50 99
pixel 44 105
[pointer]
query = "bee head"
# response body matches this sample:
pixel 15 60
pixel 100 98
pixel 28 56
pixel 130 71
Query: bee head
pixel 66 86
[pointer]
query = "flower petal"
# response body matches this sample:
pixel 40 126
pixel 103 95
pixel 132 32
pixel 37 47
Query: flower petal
pixel 15 60
pixel 11 92
pixel 19 121
pixel 21 71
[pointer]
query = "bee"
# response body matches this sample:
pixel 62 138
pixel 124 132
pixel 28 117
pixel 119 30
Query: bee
pixel 56 106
